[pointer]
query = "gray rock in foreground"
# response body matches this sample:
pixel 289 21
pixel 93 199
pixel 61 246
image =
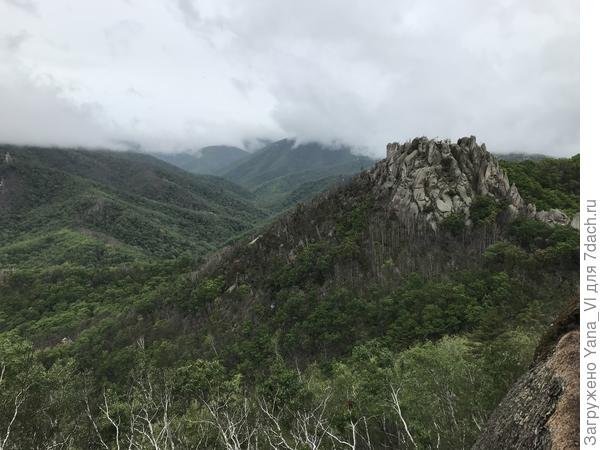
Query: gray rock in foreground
pixel 541 411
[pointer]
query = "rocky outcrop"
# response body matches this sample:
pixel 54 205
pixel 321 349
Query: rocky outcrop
pixel 396 212
pixel 554 217
pixel 428 180
pixel 541 411
pixel 575 221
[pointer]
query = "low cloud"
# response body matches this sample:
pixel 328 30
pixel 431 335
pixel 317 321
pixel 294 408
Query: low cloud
pixel 213 72
pixel 28 6
pixel 13 42
pixel 35 113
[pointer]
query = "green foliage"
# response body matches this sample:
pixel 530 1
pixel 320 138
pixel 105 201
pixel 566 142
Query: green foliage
pixel 30 394
pixel 453 223
pixel 205 292
pixel 65 246
pixel 484 210
pixel 393 396
pixel 548 183
pixel 105 313
pixel 104 208
pixel 315 262
pixel 552 245
pixel 506 256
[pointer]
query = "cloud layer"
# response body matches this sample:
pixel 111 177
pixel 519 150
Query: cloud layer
pixel 177 74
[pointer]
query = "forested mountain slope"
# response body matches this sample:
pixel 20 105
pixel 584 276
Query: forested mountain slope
pixel 280 174
pixel 394 311
pixel 83 207
pixel 549 183
pixel 284 167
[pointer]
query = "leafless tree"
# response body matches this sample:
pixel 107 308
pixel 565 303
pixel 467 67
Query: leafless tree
pixel 17 399
pixel 395 400
pixel 312 429
pixel 307 430
pixel 147 422
pixel 232 419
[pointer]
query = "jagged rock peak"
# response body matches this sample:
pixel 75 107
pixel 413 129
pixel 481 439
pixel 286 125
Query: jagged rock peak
pixel 431 179
pixel 435 178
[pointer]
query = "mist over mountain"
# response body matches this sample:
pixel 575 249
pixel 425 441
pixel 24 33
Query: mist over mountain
pixel 285 172
pixel 185 74
pixel 210 160
pixel 231 225
pixel 279 173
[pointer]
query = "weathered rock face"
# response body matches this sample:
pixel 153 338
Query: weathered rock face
pixel 575 221
pixel 541 411
pixel 431 179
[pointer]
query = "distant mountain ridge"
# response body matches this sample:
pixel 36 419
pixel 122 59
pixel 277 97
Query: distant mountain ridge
pixel 119 205
pixel 520 156
pixel 209 160
pixel 284 166
pixel 286 157
pixel 280 173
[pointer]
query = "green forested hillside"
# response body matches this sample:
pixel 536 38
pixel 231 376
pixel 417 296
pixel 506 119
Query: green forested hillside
pixel 280 174
pixel 323 328
pixel 83 207
pixel 283 167
pixel 547 182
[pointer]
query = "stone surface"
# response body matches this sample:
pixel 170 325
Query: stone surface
pixel 553 217
pixel 575 221
pixel 541 411
pixel 430 179
pixel 435 178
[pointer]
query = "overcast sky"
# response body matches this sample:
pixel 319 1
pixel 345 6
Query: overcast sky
pixel 177 74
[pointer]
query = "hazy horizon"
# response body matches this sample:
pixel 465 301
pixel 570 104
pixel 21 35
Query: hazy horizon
pixel 176 75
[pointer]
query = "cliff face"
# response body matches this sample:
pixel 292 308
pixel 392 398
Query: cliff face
pixel 434 179
pixel 431 179
pixel 541 411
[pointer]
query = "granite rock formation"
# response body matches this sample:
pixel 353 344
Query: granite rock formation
pixel 431 179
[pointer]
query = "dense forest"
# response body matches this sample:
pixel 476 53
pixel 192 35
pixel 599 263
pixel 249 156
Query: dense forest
pixel 104 208
pixel 121 329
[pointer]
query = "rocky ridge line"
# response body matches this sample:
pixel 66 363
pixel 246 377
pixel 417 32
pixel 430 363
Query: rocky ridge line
pixel 432 179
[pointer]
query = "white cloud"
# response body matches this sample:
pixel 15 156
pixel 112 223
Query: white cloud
pixel 185 73
pixel 28 6
pixel 36 113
